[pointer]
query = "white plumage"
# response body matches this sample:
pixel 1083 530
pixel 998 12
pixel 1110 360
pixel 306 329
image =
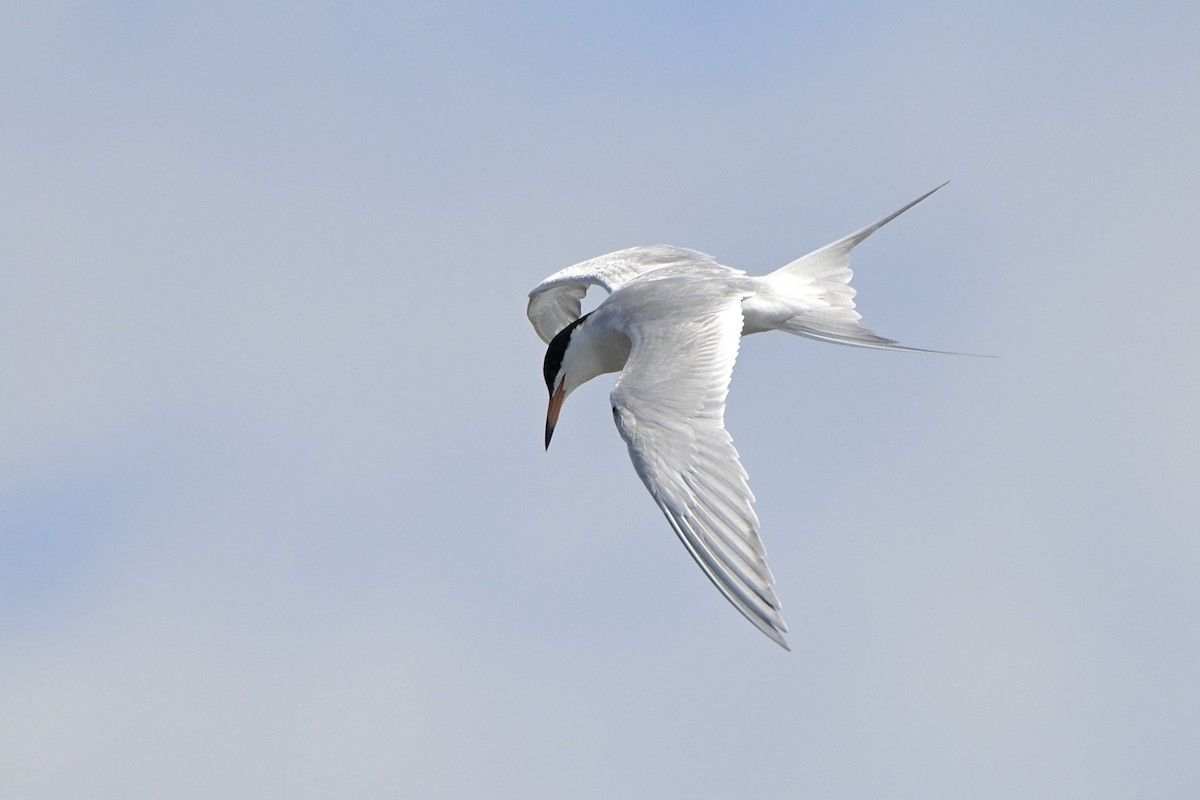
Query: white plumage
pixel 672 326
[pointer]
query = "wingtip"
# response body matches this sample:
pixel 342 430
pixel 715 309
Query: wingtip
pixel 775 632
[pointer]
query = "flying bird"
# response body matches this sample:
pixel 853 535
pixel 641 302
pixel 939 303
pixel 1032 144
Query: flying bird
pixel 671 325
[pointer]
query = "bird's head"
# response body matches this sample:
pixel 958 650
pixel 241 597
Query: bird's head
pixel 561 378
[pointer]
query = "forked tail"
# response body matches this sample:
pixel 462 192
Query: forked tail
pixel 820 284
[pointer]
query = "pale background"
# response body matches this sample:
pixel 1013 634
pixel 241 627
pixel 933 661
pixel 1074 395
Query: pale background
pixel 275 518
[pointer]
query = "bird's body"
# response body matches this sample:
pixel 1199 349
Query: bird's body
pixel 672 326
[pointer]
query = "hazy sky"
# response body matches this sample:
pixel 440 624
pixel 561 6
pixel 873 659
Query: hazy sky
pixel 275 517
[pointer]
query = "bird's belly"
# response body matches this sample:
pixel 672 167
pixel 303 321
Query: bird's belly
pixel 769 308
pixel 761 313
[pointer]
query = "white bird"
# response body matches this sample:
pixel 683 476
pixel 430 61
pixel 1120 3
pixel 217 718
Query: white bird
pixel 672 326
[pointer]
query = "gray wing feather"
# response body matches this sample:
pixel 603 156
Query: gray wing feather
pixel 557 301
pixel 669 406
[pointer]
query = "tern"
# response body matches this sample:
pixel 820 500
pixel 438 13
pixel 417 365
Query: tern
pixel 672 325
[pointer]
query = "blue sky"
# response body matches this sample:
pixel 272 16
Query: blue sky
pixel 274 512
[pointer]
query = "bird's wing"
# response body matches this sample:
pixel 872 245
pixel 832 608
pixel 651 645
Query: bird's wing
pixel 669 405
pixel 556 302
